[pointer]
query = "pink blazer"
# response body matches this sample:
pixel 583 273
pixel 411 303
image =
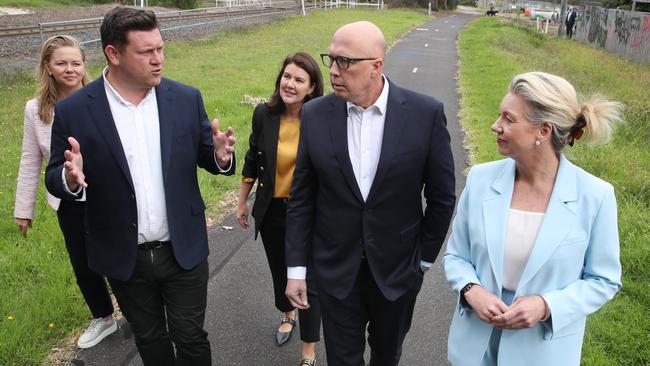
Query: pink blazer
pixel 36 150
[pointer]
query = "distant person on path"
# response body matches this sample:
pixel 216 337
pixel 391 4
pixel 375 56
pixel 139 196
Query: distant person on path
pixel 570 21
pixel 129 143
pixel 534 245
pixel 271 160
pixel 61 71
pixel 366 154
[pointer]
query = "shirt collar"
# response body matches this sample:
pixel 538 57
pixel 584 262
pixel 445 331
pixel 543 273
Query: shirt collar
pixel 109 89
pixel 380 103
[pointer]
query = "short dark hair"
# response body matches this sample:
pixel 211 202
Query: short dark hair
pixel 120 20
pixel 304 61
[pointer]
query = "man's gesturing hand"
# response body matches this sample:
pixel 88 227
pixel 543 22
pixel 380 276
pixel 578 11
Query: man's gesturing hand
pixel 74 163
pixel 224 144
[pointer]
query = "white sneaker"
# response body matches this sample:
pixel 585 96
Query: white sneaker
pixel 97 330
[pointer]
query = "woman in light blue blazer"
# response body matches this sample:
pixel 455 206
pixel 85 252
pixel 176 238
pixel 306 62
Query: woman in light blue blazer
pixel 534 245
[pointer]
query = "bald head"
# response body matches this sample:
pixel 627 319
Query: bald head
pixel 364 37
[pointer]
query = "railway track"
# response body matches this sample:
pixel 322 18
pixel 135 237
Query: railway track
pixel 166 17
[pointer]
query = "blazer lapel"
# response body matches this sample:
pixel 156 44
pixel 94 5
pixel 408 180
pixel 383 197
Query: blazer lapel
pixel 339 135
pixel 396 115
pixel 495 215
pixel 559 213
pixel 166 114
pixel 100 112
pixel 271 131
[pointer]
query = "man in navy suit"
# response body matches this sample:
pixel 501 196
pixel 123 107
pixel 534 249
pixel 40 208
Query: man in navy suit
pixel 129 145
pixel 367 152
pixel 570 21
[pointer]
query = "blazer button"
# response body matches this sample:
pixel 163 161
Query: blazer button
pixel 262 168
pixel 261 184
pixel 132 196
pixel 259 153
pixel 134 225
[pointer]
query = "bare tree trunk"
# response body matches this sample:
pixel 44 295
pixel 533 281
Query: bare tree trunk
pixel 560 29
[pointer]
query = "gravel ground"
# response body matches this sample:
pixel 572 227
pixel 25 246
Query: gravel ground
pixel 20 53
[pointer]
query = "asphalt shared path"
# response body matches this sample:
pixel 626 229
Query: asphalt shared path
pixel 241 319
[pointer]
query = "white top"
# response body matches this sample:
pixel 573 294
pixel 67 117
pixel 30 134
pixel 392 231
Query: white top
pixel 365 134
pixel 521 233
pixel 139 132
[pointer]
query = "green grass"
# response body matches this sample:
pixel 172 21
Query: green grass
pixel 492 52
pixel 37 286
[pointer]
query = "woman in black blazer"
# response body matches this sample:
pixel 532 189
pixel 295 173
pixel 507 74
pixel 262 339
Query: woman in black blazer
pixel 271 161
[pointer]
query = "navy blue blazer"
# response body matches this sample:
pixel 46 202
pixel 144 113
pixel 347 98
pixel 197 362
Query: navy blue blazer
pixel 111 218
pixel 328 218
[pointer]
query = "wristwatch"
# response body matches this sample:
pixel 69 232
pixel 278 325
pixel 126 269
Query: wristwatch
pixel 467 288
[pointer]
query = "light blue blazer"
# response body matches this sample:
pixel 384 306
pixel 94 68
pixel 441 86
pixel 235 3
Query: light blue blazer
pixel 574 263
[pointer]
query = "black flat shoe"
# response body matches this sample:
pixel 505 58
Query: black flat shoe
pixel 283 337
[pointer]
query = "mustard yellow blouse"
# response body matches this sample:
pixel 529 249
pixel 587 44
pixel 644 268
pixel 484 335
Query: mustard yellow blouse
pixel 288 138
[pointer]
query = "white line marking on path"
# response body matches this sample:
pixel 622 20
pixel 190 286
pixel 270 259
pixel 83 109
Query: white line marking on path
pixel 436 30
pixel 426 45
pixel 415 69
pixel 421 28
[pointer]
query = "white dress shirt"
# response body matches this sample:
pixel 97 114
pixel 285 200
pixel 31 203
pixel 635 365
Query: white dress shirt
pixel 139 131
pixel 365 133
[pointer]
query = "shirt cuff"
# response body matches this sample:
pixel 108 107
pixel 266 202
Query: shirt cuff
pixel 548 309
pixel 426 264
pixel 79 190
pixel 217 162
pixel 296 273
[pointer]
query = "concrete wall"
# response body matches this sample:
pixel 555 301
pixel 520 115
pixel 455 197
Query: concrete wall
pixel 625 33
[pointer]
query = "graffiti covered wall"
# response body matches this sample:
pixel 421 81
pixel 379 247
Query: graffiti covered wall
pixel 625 33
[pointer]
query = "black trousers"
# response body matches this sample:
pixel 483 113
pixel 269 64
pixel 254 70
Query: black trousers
pixel 273 231
pixel 92 285
pixel 569 29
pixel 165 303
pixel 345 321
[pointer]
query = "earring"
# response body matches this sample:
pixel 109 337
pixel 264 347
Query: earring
pixel 537 143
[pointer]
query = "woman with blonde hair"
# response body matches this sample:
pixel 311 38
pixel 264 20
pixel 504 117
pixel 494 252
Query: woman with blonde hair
pixel 534 247
pixel 61 71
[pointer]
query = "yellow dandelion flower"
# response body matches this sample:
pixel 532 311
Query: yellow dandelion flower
pixel 51 325
pixel 10 317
